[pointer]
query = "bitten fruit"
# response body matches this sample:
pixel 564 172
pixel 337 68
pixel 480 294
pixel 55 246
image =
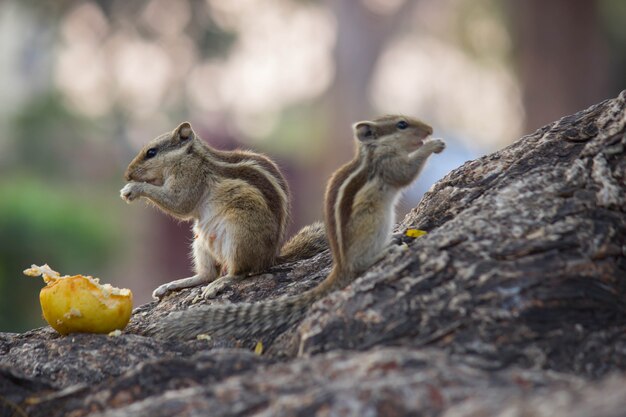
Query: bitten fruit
pixel 80 304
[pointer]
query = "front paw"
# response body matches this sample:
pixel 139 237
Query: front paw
pixel 130 192
pixel 436 145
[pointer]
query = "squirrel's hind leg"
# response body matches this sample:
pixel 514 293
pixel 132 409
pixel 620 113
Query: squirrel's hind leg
pixel 179 284
pixel 215 287
pixel 206 268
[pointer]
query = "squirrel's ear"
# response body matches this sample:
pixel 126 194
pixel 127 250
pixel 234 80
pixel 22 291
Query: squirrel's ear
pixel 183 132
pixel 363 130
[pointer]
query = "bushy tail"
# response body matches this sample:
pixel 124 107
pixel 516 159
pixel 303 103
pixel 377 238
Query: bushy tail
pixel 308 242
pixel 241 320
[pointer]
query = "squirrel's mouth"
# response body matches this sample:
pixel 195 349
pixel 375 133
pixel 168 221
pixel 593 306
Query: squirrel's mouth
pixel 154 181
pixel 417 142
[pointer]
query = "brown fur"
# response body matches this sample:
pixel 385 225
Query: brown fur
pixel 239 201
pixel 359 204
pixel 338 178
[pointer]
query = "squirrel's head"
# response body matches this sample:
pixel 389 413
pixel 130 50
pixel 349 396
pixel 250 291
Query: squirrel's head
pixel 397 132
pixel 151 162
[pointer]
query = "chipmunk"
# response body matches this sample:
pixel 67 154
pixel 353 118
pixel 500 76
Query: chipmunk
pixel 359 214
pixel 238 200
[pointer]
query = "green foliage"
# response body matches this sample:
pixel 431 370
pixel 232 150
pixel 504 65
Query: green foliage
pixel 613 16
pixel 292 137
pixel 46 135
pixel 40 223
pixel 613 13
pixel 213 42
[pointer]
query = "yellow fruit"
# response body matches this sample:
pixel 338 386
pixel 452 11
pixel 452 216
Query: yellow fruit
pixel 415 233
pixel 80 304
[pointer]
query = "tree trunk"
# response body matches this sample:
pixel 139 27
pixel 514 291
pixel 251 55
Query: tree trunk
pixel 563 58
pixel 514 303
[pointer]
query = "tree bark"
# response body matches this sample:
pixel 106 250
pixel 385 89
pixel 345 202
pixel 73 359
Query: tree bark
pixel 514 303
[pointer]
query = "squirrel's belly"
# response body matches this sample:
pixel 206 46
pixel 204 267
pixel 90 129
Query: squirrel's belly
pixel 216 237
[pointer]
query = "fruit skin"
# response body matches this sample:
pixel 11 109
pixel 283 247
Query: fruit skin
pixel 77 305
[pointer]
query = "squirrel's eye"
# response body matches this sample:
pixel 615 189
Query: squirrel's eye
pixel 402 125
pixel 151 153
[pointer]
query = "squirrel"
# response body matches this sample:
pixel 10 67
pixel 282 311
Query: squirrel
pixel 359 213
pixel 239 202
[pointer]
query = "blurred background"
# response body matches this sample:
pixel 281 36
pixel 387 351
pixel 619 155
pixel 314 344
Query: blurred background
pixel 84 84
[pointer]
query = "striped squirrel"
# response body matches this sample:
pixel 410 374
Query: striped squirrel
pixel 239 201
pixel 359 213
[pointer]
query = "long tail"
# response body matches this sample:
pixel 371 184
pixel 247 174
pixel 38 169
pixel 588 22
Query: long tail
pixel 244 319
pixel 308 242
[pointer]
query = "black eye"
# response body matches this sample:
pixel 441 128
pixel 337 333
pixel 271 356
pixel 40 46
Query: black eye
pixel 402 125
pixel 151 153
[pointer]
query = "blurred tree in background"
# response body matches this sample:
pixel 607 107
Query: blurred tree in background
pixel 86 82
pixel 564 55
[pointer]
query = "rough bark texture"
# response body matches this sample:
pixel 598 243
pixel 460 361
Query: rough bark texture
pixel 514 304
